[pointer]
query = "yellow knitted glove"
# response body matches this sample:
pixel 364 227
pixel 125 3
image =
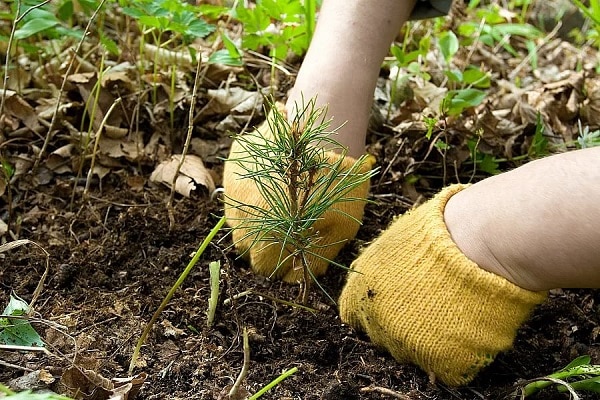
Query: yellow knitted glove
pixel 335 227
pixel 415 294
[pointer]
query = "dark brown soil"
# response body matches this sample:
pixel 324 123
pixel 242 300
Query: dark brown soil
pixel 115 256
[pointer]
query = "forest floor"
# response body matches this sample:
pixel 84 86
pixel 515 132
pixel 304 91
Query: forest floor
pixel 115 247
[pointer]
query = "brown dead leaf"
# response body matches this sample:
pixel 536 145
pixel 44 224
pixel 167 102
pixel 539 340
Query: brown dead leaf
pixel 590 110
pixel 35 380
pixel 170 330
pixel 3 228
pixel 114 132
pixel 59 161
pixel 192 174
pixel 90 385
pixel 118 148
pixel 2 185
pixel 97 104
pixel 233 99
pixel 18 108
pixel 122 75
pixel 135 182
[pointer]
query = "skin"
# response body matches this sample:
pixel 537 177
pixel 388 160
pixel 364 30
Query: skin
pixel 538 225
pixel 342 64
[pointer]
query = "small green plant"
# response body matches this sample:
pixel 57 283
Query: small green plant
pixel 15 328
pixel 299 183
pixel 591 10
pixel 586 138
pixel 281 26
pixel 214 269
pixel 579 375
pixel 28 395
pixel 284 375
pixel 495 29
pixel 169 296
pixel 465 86
pixel 47 19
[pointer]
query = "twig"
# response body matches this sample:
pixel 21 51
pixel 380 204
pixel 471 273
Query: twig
pixel 62 86
pixel 188 139
pixel 15 366
pixel 96 144
pixel 245 366
pixel 13 347
pixel 385 391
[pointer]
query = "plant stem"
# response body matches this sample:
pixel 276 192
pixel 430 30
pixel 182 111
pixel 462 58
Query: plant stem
pixel 274 382
pixel 184 274
pixel 214 268
pixel 245 366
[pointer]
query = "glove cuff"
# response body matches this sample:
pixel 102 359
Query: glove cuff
pixel 430 305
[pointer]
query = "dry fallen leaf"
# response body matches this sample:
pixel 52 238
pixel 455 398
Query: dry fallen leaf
pixel 18 108
pixel 192 174
pixel 90 385
pixel 233 99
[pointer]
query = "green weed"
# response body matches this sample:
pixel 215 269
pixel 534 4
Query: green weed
pixel 280 26
pixel 579 375
pixel 15 329
pixel 29 395
pixel 586 138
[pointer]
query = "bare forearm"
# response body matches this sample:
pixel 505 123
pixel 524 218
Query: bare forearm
pixel 342 64
pixel 538 225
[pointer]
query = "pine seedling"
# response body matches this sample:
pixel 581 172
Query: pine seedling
pixel 291 166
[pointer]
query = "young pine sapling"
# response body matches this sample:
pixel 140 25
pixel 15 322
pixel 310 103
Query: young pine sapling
pixel 296 170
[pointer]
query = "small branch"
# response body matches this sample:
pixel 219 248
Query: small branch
pixel 62 86
pixel 384 391
pixel 14 366
pixel 245 366
pixel 188 138
pixel 13 347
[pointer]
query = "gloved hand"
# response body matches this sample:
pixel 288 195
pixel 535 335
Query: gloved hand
pixel 416 295
pixel 335 228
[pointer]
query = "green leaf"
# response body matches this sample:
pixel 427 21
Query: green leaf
pixel 448 44
pixel 65 11
pixel 133 12
pixel 397 53
pixel 539 144
pixel 476 77
pixel 160 23
pixel 223 57
pixel 525 30
pixel 199 28
pixel 579 361
pixel 109 45
pixel 213 11
pixel 454 75
pixel 28 395
pixel 34 26
pixel 489 164
pixel 457 101
pixel 18 332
